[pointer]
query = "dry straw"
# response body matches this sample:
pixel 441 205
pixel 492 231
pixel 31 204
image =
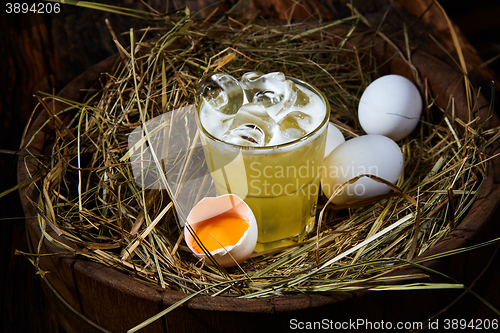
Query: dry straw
pixel 88 196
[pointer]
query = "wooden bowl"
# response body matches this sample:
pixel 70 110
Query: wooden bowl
pixel 91 297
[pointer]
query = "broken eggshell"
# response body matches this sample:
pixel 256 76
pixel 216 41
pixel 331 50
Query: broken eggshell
pixel 209 209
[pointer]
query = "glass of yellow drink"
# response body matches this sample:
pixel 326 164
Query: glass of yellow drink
pixel 280 180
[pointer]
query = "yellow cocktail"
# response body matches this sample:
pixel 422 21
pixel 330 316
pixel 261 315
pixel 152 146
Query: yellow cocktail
pixel 279 181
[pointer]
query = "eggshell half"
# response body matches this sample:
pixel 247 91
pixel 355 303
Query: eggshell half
pixel 213 206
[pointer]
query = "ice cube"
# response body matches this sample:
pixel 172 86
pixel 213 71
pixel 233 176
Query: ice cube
pixel 222 92
pixel 266 89
pixel 295 125
pixel 301 99
pixel 267 98
pixel 245 135
pixel 251 126
pixel 273 91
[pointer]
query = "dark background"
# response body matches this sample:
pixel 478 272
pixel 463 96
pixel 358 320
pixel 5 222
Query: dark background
pixel 23 305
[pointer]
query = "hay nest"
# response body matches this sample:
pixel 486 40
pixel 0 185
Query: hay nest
pixel 88 196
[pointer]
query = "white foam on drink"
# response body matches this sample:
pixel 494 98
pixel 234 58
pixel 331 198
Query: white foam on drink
pixel 217 123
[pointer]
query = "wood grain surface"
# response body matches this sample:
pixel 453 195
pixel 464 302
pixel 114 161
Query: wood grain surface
pixel 43 52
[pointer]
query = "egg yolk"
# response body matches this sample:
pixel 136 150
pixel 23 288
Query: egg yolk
pixel 219 231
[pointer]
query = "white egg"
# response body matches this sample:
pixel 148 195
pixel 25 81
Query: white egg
pixel 226 227
pixel 368 154
pixel 391 106
pixel 334 138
